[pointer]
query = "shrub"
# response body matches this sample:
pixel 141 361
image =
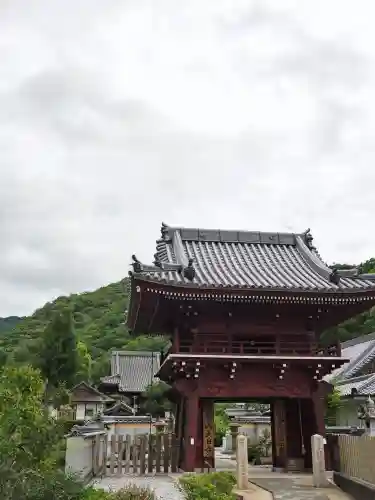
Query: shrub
pixel 131 492
pixel 211 486
pixel 254 452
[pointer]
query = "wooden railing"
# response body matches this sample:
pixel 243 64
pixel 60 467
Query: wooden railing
pixel 256 347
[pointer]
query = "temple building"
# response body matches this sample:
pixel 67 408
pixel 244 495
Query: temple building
pixel 131 373
pixel 244 311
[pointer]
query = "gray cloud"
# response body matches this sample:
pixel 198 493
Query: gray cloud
pixel 124 115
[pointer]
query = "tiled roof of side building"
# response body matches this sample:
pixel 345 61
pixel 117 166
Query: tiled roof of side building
pixel 133 371
pixel 358 386
pixel 247 260
pixel 360 351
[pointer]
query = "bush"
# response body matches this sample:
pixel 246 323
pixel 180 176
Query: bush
pixel 254 452
pixel 131 492
pixel 211 486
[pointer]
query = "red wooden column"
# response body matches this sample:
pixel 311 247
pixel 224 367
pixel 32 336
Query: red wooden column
pixel 208 433
pixel 313 411
pixel 191 431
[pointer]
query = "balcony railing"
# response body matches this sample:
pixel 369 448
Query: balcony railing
pixel 257 347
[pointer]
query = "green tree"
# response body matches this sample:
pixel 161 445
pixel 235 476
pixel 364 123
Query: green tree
pixel 59 361
pixel 155 399
pixel 84 363
pixel 29 440
pixel 333 404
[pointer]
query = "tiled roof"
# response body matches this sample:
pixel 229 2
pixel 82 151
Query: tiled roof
pixel 360 352
pixel 84 392
pixel 248 260
pixel 119 408
pixel 363 386
pixel 133 371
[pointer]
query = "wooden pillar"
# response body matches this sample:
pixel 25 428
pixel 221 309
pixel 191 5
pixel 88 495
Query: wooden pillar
pixel 208 430
pixel 273 442
pixel 279 417
pixel 313 411
pixel 308 429
pixel 191 431
pixel 294 435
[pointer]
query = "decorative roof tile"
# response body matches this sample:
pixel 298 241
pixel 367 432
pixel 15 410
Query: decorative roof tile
pixel 248 260
pixel 133 371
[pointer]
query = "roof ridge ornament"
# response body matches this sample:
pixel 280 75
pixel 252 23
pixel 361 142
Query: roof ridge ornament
pixel 137 266
pixel 164 230
pixel 308 239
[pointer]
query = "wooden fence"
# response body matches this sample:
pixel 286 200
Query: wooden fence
pixel 357 457
pixel 142 454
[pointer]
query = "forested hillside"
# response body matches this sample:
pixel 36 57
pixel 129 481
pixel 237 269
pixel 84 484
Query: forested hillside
pixel 100 324
pixel 8 323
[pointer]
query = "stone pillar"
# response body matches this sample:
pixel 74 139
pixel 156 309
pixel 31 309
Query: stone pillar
pixel 191 432
pixel 318 462
pixel 227 442
pixel 242 463
pixel 234 426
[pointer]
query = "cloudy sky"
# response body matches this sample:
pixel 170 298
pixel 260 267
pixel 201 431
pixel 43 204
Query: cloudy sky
pixel 117 115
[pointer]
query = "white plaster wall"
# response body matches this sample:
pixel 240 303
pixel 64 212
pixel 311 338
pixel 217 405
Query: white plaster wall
pixel 78 458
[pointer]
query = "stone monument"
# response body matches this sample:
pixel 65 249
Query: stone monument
pixel 242 463
pixel 318 461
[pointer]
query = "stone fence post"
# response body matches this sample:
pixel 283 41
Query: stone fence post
pixel 242 462
pixel 318 462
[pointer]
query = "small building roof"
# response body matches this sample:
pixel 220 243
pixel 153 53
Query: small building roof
pixel 357 386
pixel 133 371
pixel 247 260
pixel 360 351
pixel 120 408
pixel 86 393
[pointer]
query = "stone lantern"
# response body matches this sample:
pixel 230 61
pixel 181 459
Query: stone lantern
pixel 366 412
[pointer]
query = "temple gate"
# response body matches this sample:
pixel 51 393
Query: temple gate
pixel 244 312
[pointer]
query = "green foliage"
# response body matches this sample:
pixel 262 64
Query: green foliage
pixel 254 453
pixel 211 486
pixel 221 421
pixel 99 323
pixel 59 356
pixel 155 400
pixel 333 403
pixel 130 492
pixel 8 323
pixel 30 441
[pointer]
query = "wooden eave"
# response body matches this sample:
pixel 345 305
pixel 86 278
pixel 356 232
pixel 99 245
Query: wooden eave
pixel 157 294
pixel 177 365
